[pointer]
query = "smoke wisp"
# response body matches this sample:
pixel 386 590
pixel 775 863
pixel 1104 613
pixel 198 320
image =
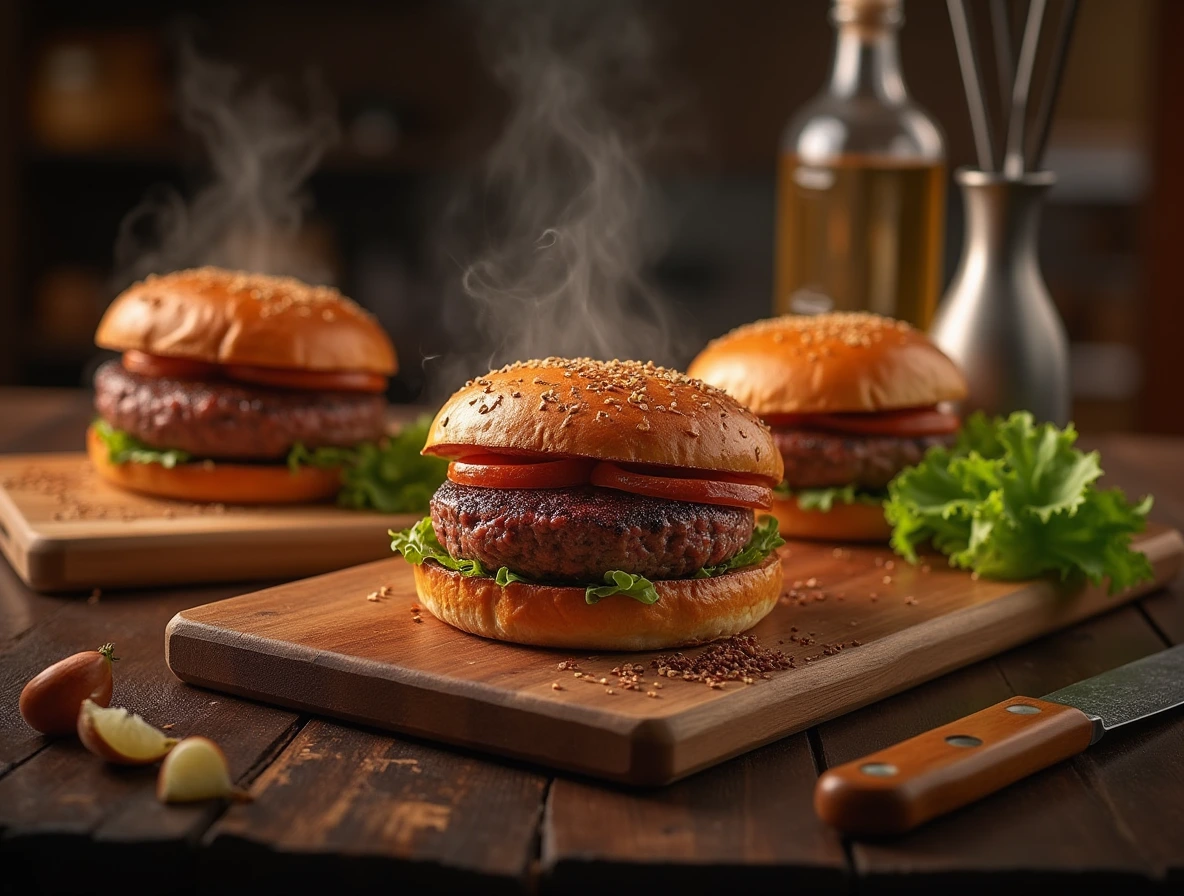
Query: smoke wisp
pixel 566 220
pixel 262 146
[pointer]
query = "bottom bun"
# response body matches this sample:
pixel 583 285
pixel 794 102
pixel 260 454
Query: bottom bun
pixel 216 482
pixel 688 611
pixel 843 522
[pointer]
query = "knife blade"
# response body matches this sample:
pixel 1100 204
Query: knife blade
pixel 905 785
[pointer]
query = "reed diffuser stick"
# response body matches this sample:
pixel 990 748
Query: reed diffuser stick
pixel 1048 100
pixel 1013 161
pixel 972 80
pixel 1004 62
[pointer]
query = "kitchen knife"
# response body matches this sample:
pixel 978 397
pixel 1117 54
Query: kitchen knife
pixel 896 789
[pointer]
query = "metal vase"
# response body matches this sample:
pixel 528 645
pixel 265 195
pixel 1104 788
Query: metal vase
pixel 997 319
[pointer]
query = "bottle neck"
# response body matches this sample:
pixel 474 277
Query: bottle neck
pixel 867 64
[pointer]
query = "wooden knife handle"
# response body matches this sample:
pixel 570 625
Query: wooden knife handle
pixel 933 773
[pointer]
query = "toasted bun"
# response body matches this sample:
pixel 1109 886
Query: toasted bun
pixel 829 363
pixel 621 411
pixel 231 317
pixel 843 522
pixel 688 611
pixel 216 483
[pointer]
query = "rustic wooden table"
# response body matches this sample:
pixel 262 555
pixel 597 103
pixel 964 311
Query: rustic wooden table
pixel 346 807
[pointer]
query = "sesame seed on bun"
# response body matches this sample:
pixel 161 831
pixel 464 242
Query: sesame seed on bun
pixel 829 363
pixel 622 411
pixel 234 317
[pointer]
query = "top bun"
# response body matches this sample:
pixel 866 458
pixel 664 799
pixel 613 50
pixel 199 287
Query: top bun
pixel 231 317
pixel 829 363
pixel 622 411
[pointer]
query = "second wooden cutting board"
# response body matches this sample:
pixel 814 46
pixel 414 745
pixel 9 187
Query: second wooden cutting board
pixel 62 528
pixel 859 624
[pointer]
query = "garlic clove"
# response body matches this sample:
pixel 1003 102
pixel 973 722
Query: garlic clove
pixel 50 702
pixel 119 736
pixel 196 769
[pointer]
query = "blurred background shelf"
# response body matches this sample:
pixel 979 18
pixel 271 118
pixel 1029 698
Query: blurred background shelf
pixel 87 106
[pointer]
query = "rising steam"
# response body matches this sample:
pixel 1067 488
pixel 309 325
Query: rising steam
pixel 261 150
pixel 565 214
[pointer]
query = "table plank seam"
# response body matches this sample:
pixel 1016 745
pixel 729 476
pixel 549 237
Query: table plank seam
pixel 1086 769
pixel 1155 626
pixel 273 751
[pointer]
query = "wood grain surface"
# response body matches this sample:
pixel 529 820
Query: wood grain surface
pixel 858 625
pixel 62 528
pixel 1108 820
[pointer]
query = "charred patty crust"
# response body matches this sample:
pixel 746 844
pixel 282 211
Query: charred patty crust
pixel 823 460
pixel 221 419
pixel 577 534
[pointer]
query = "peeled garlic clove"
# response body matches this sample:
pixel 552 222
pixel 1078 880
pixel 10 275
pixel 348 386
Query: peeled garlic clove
pixel 119 736
pixel 196 769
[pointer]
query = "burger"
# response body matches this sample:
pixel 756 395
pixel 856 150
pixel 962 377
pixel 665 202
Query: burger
pixel 852 399
pixel 601 505
pixel 227 379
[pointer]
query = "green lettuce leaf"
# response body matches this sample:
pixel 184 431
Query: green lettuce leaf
pixel 823 499
pixel 616 582
pixel 1014 500
pixel 122 447
pixel 391 476
pixel 765 539
pixel 419 543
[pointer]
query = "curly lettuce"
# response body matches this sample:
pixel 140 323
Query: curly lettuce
pixel 390 476
pixel 765 539
pixel 123 448
pixel 419 544
pixel 1013 500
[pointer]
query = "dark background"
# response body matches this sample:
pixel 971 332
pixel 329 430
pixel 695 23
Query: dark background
pixel 88 116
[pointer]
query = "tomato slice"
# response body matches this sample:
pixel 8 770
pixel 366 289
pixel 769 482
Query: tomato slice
pixel 173 368
pixel 906 423
pixel 312 380
pixel 507 471
pixel 675 488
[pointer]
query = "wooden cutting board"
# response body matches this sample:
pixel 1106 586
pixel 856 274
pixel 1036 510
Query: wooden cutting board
pixel 859 623
pixel 62 529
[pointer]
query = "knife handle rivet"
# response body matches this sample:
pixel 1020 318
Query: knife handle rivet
pixel 1023 709
pixel 878 769
pixel 963 740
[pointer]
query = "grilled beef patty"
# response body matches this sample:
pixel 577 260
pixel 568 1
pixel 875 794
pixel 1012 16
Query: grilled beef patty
pixel 577 534
pixel 221 419
pixel 822 460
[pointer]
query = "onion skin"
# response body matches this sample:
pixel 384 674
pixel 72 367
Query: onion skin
pixel 50 702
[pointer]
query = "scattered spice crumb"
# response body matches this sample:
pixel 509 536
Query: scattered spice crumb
pixel 556 686
pixel 911 601
pixel 168 727
pixel 733 659
pixel 94 596
pixel 418 619
pixel 568 664
pixel 609 691
pixel 372 596
pixel 887 580
pixel 651 693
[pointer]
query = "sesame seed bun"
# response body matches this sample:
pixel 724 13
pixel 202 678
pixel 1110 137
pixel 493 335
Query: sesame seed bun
pixel 829 363
pixel 843 522
pixel 218 483
pixel 231 317
pixel 688 611
pixel 622 411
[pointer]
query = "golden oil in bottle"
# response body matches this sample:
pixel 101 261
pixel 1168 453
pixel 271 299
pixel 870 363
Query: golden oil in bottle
pixel 860 233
